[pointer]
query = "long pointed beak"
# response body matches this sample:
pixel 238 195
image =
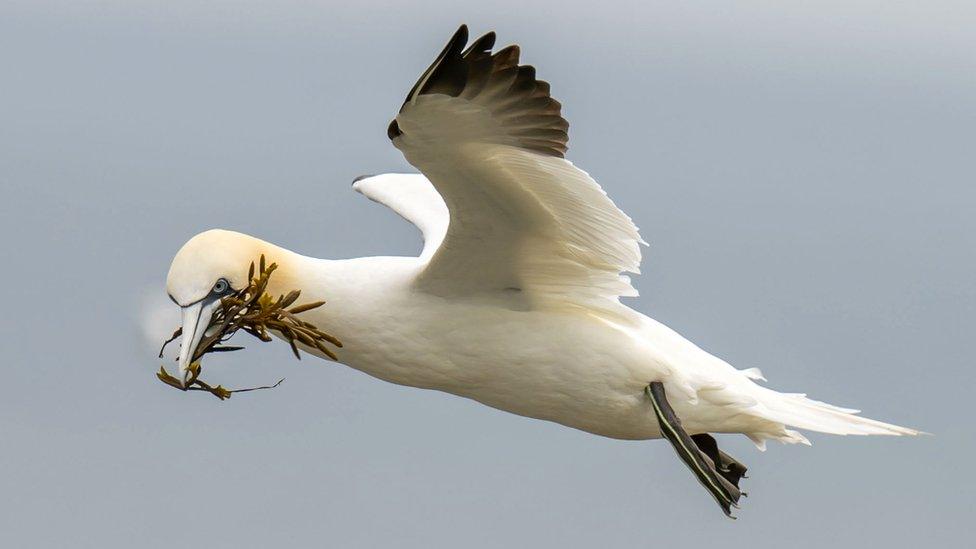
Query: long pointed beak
pixel 196 317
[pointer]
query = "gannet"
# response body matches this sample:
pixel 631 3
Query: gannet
pixel 514 300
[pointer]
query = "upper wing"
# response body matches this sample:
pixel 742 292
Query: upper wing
pixel 523 219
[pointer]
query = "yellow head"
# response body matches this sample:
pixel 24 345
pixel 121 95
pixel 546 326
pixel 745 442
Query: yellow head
pixel 210 266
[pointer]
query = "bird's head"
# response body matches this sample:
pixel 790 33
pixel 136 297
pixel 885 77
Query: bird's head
pixel 210 266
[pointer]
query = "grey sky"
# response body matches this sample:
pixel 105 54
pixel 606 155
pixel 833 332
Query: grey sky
pixel 804 175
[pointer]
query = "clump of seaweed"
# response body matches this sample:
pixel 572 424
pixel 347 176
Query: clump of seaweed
pixel 257 313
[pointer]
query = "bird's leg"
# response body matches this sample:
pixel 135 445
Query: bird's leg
pixel 721 481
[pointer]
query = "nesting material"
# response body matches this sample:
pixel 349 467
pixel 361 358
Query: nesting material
pixel 257 313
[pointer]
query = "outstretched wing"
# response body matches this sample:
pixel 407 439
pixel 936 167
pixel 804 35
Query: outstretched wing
pixel 491 140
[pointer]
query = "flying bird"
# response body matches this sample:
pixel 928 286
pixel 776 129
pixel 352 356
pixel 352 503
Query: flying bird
pixel 514 300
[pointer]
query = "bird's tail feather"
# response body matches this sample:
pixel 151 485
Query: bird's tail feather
pixel 796 410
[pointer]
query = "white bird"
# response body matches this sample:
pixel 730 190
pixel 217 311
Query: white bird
pixel 514 300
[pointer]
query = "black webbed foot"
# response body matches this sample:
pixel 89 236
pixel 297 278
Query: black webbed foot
pixel 725 464
pixel 718 472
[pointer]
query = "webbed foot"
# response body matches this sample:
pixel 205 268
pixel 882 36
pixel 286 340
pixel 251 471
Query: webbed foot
pixel 718 472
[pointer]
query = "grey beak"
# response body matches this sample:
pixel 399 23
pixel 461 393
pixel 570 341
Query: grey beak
pixel 196 317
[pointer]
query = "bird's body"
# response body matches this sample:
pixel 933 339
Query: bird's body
pixel 514 301
pixel 582 368
pixel 573 369
pixel 570 367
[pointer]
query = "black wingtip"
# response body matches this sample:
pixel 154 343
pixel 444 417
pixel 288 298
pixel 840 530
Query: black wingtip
pixel 483 44
pixel 393 130
pixel 511 93
pixel 459 39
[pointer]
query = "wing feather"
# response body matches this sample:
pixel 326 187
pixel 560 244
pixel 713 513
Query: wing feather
pixel 490 139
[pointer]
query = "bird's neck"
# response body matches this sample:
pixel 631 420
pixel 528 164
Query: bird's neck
pixel 287 274
pixel 355 291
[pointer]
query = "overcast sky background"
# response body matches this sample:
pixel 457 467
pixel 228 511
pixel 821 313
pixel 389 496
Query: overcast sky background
pixel 804 174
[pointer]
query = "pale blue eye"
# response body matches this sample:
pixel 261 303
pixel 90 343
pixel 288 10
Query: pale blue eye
pixel 221 286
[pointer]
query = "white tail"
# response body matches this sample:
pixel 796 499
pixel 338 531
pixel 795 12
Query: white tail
pixel 797 410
